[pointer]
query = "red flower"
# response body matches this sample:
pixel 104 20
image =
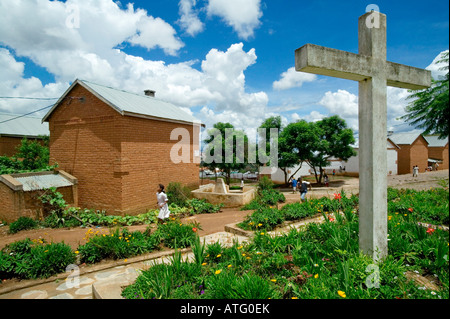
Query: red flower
pixel 194 230
pixel 430 230
pixel 337 196
pixel 331 219
pixel 410 209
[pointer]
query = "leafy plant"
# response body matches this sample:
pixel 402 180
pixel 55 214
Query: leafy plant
pixel 178 194
pixel 22 223
pixel 29 259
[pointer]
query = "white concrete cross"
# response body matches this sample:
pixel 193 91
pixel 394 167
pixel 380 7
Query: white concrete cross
pixel 373 73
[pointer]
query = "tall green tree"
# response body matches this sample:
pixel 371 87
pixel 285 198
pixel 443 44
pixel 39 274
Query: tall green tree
pixel 296 144
pixel 226 149
pixel 333 139
pixel 429 108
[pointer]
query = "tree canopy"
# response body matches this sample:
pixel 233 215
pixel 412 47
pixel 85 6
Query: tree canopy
pixel 429 108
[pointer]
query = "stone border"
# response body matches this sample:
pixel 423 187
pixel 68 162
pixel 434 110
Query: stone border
pixel 112 289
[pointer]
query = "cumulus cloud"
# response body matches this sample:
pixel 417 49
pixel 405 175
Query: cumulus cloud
pixel 13 84
pixel 341 102
pixel 436 68
pixel 292 78
pixel 189 20
pixel 242 16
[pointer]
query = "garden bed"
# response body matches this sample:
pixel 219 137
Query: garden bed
pixel 319 260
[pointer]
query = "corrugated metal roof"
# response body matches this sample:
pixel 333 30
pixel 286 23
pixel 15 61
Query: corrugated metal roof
pixel 434 141
pixel 23 126
pixel 38 182
pixel 133 104
pixel 404 138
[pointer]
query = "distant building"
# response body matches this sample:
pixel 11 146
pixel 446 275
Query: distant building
pixel 14 128
pixel 437 152
pixel 413 151
pixel 118 145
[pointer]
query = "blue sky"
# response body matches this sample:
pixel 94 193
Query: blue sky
pixel 221 60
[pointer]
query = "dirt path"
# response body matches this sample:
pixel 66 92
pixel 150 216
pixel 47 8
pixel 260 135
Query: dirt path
pixel 212 223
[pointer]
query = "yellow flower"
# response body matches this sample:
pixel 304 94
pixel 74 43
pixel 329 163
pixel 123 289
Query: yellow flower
pixel 294 297
pixel 249 258
pixel 229 266
pixel 104 235
pixel 240 247
pixel 125 260
pixel 262 233
pixel 259 253
pixel 77 252
pixel 218 271
pixel 207 255
pixel 273 280
pixel 389 217
pixel 316 276
pixel 259 224
pixel 219 255
pixel 342 294
pixel 112 235
pixel 204 264
pixel 406 214
pixel 243 254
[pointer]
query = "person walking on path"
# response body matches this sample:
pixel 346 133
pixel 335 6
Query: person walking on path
pixel 304 185
pixel 415 171
pixel 294 185
pixel 325 179
pixel 162 200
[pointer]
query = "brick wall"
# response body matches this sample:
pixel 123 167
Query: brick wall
pixel 118 160
pixel 146 162
pixel 15 204
pixel 8 144
pixel 85 143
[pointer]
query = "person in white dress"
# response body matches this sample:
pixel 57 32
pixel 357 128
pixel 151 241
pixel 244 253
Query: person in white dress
pixel 162 200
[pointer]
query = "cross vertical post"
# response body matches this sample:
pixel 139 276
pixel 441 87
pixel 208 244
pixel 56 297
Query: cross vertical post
pixel 372 116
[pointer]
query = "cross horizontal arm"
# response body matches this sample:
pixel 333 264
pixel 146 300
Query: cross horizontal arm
pixel 407 77
pixel 317 59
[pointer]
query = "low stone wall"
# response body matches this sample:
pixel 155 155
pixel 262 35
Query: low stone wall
pixel 230 199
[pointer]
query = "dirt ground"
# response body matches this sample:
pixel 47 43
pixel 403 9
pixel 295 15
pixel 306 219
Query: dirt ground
pixel 212 223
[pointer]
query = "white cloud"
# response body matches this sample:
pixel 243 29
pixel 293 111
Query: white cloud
pixel 342 103
pixel 12 84
pixel 189 20
pixel 242 16
pixel 47 26
pixel 435 67
pixel 292 78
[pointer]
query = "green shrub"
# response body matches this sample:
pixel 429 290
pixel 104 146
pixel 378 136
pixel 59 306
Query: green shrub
pixel 22 223
pixel 29 259
pixel 265 183
pixel 178 194
pixel 201 206
pixel 174 234
pixel 119 244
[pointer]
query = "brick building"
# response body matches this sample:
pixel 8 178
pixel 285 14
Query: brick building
pixel 437 152
pixel 14 128
pixel 117 144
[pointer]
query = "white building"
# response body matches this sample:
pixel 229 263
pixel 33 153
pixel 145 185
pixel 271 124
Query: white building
pixel 351 166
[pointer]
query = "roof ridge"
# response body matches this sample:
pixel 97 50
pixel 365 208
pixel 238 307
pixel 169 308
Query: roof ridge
pixel 121 90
